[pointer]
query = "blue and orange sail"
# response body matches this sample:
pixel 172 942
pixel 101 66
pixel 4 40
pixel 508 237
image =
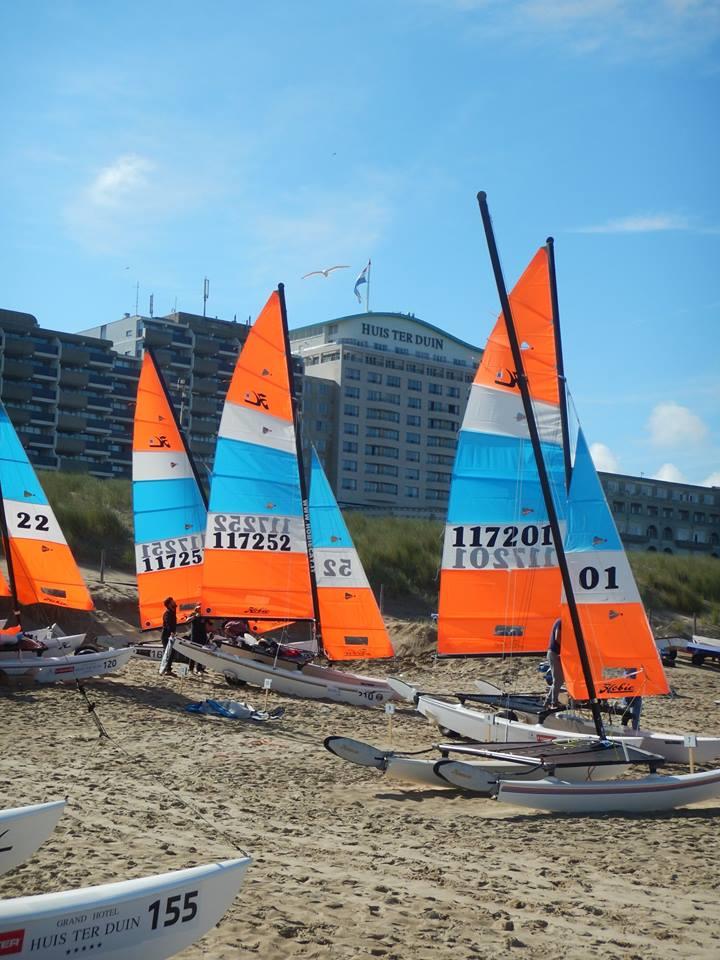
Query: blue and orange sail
pixel 624 659
pixel 256 552
pixel 43 567
pixel 500 583
pixel 352 626
pixel 168 505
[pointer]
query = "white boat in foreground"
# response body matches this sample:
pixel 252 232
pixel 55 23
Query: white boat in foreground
pixel 309 680
pixel 146 919
pixel 24 829
pixel 646 795
pixel 64 669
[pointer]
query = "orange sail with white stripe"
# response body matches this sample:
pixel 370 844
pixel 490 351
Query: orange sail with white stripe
pixel 499 582
pixel 351 623
pixel 168 505
pixel 43 567
pixel 256 554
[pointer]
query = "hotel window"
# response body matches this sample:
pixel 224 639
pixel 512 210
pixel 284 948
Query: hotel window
pixel 350 428
pixel 414 384
pixel 412 456
pixel 436 494
pixel 374 377
pixel 375 486
pixel 351 410
pixel 349 446
pixel 435 388
pixel 352 373
pixel 412 438
pixel 452 391
pixel 350 466
pixel 349 483
pixel 412 473
pixel 352 392
pixel 393 381
pixel 412 492
pixel 414 402
pixel 413 420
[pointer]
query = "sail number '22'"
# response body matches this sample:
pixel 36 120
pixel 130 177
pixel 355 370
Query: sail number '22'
pixel 25 521
pixel 172 910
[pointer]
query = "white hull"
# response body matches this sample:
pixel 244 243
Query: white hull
pixel 649 794
pixel 149 651
pixel 488 727
pixel 58 645
pixel 667 745
pixel 483 778
pixel 146 919
pixel 310 681
pixel 63 669
pixel 24 829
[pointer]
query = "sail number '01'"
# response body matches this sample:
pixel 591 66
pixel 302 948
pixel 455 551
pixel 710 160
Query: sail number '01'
pixel 171 913
pixel 589 578
pixel 232 532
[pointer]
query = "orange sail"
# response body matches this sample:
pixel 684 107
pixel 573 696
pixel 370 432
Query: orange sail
pixel 351 623
pixel 256 556
pixel 499 582
pixel 43 566
pixel 168 505
pixel 623 655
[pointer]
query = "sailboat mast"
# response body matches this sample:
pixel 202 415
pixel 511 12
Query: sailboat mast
pixel 540 461
pixel 8 558
pixel 181 432
pixel 562 390
pixel 301 465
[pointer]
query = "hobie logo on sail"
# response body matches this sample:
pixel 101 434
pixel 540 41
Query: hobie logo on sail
pixel 506 378
pixel 158 442
pixel 256 399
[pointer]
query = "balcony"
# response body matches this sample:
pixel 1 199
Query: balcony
pixel 206 346
pixel 67 444
pixel 155 337
pixel 200 385
pixel 101 358
pixel 16 391
pixel 205 366
pixel 94 425
pixel 95 449
pixel 44 394
pixel 18 415
pixel 17 369
pixel 71 423
pixel 72 355
pixel 42 460
pixel 202 448
pixel 45 371
pixel 77 379
pixel 203 406
pixel 72 400
pixel 98 382
pixel 46 348
pixel 37 440
pixel 18 346
pixel 205 427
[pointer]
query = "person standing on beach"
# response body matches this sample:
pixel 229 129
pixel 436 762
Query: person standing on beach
pixel 168 630
pixel 552 700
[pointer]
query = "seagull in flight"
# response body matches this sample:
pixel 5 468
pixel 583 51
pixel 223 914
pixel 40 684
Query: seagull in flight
pixel 326 271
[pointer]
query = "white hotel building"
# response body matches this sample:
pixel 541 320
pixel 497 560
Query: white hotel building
pixel 383 399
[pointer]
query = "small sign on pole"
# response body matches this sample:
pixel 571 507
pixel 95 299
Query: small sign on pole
pixel 267 684
pixel 690 741
pixel 389 712
pixel 182 671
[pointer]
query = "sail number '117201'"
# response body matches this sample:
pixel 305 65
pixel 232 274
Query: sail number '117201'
pixel 498 547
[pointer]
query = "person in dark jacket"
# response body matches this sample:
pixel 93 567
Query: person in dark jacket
pixel 169 628
pixel 552 700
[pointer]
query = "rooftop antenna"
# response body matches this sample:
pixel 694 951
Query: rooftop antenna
pixel 206 293
pixel 152 303
pixel 137 297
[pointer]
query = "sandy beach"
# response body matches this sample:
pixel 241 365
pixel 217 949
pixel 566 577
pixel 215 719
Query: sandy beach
pixel 347 864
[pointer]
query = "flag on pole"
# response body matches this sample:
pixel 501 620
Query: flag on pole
pixel 360 280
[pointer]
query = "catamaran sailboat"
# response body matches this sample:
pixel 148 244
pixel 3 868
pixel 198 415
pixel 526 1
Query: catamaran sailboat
pixel 272 557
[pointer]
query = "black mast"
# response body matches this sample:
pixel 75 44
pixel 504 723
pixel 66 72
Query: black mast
pixel 193 466
pixel 8 558
pixel 542 469
pixel 301 465
pixel 562 390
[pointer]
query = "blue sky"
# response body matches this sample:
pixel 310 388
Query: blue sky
pixel 161 142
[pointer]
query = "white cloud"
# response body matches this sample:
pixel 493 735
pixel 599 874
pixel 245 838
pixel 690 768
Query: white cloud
pixel 668 471
pixel 604 458
pixel 713 480
pixel 120 182
pixel 671 425
pixel 643 223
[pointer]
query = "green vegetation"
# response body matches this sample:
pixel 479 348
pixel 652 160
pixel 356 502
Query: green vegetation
pixel 401 555
pixel 687 585
pixel 94 515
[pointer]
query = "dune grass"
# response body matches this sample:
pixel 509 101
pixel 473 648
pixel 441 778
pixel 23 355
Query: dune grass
pixel 400 555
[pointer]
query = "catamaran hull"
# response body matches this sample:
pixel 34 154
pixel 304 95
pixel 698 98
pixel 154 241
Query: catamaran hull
pixel 671 746
pixel 150 918
pixel 482 778
pixel 310 681
pixel 647 795
pixel 57 645
pixel 149 651
pixel 24 829
pixel 64 669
